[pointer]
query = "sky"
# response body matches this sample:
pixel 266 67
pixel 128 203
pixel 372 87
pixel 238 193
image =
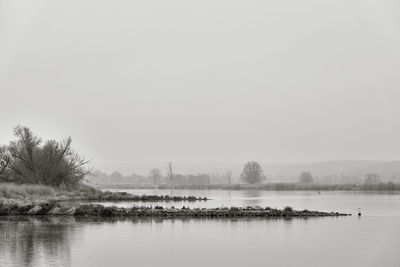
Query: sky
pixel 220 80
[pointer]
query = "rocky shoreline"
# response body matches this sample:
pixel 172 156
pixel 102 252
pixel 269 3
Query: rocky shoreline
pixel 11 208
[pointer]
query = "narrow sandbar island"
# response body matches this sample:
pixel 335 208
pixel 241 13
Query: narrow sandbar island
pixel 43 208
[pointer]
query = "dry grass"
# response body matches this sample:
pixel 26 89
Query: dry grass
pixel 26 191
pixel 31 192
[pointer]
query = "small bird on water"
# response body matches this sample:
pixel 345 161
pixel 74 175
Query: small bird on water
pixel 359 211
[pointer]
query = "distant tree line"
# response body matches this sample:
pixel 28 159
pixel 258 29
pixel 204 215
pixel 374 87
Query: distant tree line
pixel 252 174
pixel 29 159
pixel 154 177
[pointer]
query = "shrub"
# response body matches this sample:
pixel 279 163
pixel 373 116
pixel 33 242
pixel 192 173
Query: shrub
pixel 288 209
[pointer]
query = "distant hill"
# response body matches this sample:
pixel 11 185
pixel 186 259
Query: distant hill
pixel 320 168
pixel 339 171
pixel 382 168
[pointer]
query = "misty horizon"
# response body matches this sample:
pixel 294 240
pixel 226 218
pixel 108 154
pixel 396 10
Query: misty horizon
pixel 270 168
pixel 272 81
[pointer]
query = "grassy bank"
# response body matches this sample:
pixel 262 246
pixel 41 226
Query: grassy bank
pixel 83 193
pixel 19 208
pixel 268 187
pixel 30 192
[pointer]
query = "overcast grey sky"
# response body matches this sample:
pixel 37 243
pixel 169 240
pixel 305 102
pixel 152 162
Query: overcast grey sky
pixel 220 80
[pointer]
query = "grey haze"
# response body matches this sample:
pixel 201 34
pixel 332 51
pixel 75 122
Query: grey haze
pixel 159 81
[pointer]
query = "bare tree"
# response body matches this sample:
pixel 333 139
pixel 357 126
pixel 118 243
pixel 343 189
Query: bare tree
pixel 155 175
pixel 229 176
pixel 3 166
pixel 28 160
pixel 170 174
pixel 252 173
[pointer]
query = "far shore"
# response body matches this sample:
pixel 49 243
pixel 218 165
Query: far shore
pixel 265 186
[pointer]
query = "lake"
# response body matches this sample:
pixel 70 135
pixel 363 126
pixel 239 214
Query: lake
pixel 370 240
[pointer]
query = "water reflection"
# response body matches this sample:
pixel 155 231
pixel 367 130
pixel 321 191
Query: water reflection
pixel 34 223
pixel 48 241
pixel 68 241
pixel 252 198
pixel 28 241
pixel 45 241
pixel 82 241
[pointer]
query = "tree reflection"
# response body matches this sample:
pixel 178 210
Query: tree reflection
pixel 34 242
pixel 252 198
pixel 53 241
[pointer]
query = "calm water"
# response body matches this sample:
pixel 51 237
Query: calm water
pixel 372 240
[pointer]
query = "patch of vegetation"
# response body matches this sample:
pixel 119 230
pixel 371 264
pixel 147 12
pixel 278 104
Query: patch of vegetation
pixel 25 191
pixel 82 193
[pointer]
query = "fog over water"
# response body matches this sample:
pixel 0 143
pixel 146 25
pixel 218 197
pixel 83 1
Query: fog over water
pixel 274 81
